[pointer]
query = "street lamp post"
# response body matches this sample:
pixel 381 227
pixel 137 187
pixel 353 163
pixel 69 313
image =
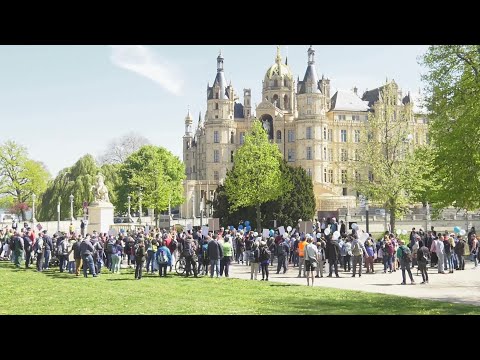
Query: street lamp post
pixel 129 216
pixel 58 215
pixel 140 208
pixel 71 207
pixel 33 210
pixel 366 213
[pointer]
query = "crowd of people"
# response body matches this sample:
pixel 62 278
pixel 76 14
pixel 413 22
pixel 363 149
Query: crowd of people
pixel 326 249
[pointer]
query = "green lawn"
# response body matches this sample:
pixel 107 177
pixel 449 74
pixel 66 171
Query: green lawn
pixel 28 292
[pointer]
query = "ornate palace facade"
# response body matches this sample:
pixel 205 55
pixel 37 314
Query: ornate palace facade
pixel 313 128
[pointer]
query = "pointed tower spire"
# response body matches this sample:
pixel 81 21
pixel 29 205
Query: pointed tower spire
pixel 311 55
pixel 199 118
pixel 279 57
pixel 286 60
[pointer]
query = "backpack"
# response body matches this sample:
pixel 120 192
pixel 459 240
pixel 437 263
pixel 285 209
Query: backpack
pixel 254 255
pixel 27 244
pixel 162 257
pixel 110 245
pixel 357 250
pixel 406 254
pixel 264 254
pixel 447 246
pixel 280 249
pixel 187 248
pixel 138 252
pixel 40 245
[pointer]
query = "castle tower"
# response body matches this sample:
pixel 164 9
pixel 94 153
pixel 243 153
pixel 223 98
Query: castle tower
pixel 219 126
pixel 311 105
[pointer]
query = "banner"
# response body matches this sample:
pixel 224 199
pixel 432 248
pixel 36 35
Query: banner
pixel 266 233
pixel 214 224
pixel 281 230
pixel 204 230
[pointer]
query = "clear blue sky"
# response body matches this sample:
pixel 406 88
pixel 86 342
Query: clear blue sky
pixel 63 102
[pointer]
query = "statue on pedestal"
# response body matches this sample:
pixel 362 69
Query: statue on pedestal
pixel 100 191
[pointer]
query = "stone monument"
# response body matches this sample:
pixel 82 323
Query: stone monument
pixel 100 212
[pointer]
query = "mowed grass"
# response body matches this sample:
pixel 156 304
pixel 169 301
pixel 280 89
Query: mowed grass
pixel 51 292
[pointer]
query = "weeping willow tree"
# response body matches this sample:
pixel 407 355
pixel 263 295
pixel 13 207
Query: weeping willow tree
pixel 77 181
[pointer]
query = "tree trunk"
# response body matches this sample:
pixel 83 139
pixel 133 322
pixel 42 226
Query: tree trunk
pixel 24 216
pixel 392 218
pixel 259 219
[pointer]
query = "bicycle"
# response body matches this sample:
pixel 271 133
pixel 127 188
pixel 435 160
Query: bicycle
pixel 180 266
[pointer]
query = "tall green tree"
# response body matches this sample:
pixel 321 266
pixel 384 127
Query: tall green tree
pixel 76 180
pixel 255 177
pixel 297 202
pixel 453 89
pixel 157 173
pixel 389 174
pixel 20 177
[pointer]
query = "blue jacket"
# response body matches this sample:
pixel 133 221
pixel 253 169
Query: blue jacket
pixel 165 250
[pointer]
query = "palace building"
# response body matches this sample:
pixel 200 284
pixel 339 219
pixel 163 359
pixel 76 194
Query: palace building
pixel 313 128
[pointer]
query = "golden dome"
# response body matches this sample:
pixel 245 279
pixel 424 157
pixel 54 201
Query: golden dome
pixel 278 69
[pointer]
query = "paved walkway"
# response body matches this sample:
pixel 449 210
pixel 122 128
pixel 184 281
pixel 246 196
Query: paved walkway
pixel 459 287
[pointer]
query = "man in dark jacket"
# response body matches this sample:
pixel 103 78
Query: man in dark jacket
pixel 86 250
pixel 282 250
pixel 19 246
pixel 215 253
pixel 28 247
pixel 48 245
pixel 189 253
pixel 77 255
pixel 332 253
pixel 460 251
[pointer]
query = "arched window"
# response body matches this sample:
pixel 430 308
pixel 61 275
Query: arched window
pixel 275 83
pixel 286 105
pixel 279 136
pixel 216 106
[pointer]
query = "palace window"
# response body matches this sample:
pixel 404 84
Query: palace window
pixel 343 155
pixel 343 135
pixel 216 156
pixel 216 137
pixel 357 136
pixel 291 135
pixel 215 175
pixel 309 153
pixel 309 132
pixel 291 155
pixel 344 176
pixel 242 138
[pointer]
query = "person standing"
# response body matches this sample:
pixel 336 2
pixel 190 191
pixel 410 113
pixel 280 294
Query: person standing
pixel 282 254
pixel 116 256
pixel 139 258
pixel 460 252
pixel 27 244
pixel 227 256
pixel 77 255
pixel 86 250
pixel 423 254
pixel 163 258
pixel 405 261
pixel 332 253
pixel 311 263
pixel 264 259
pixel 370 255
pixel 82 228
pixel 301 256
pixel 48 244
pixel 320 257
pixel 439 249
pixel 358 250
pixel 215 253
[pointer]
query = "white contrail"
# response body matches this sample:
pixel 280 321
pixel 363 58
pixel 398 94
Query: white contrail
pixel 144 61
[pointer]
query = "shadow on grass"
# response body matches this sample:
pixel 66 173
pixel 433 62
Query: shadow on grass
pixel 124 279
pixel 282 285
